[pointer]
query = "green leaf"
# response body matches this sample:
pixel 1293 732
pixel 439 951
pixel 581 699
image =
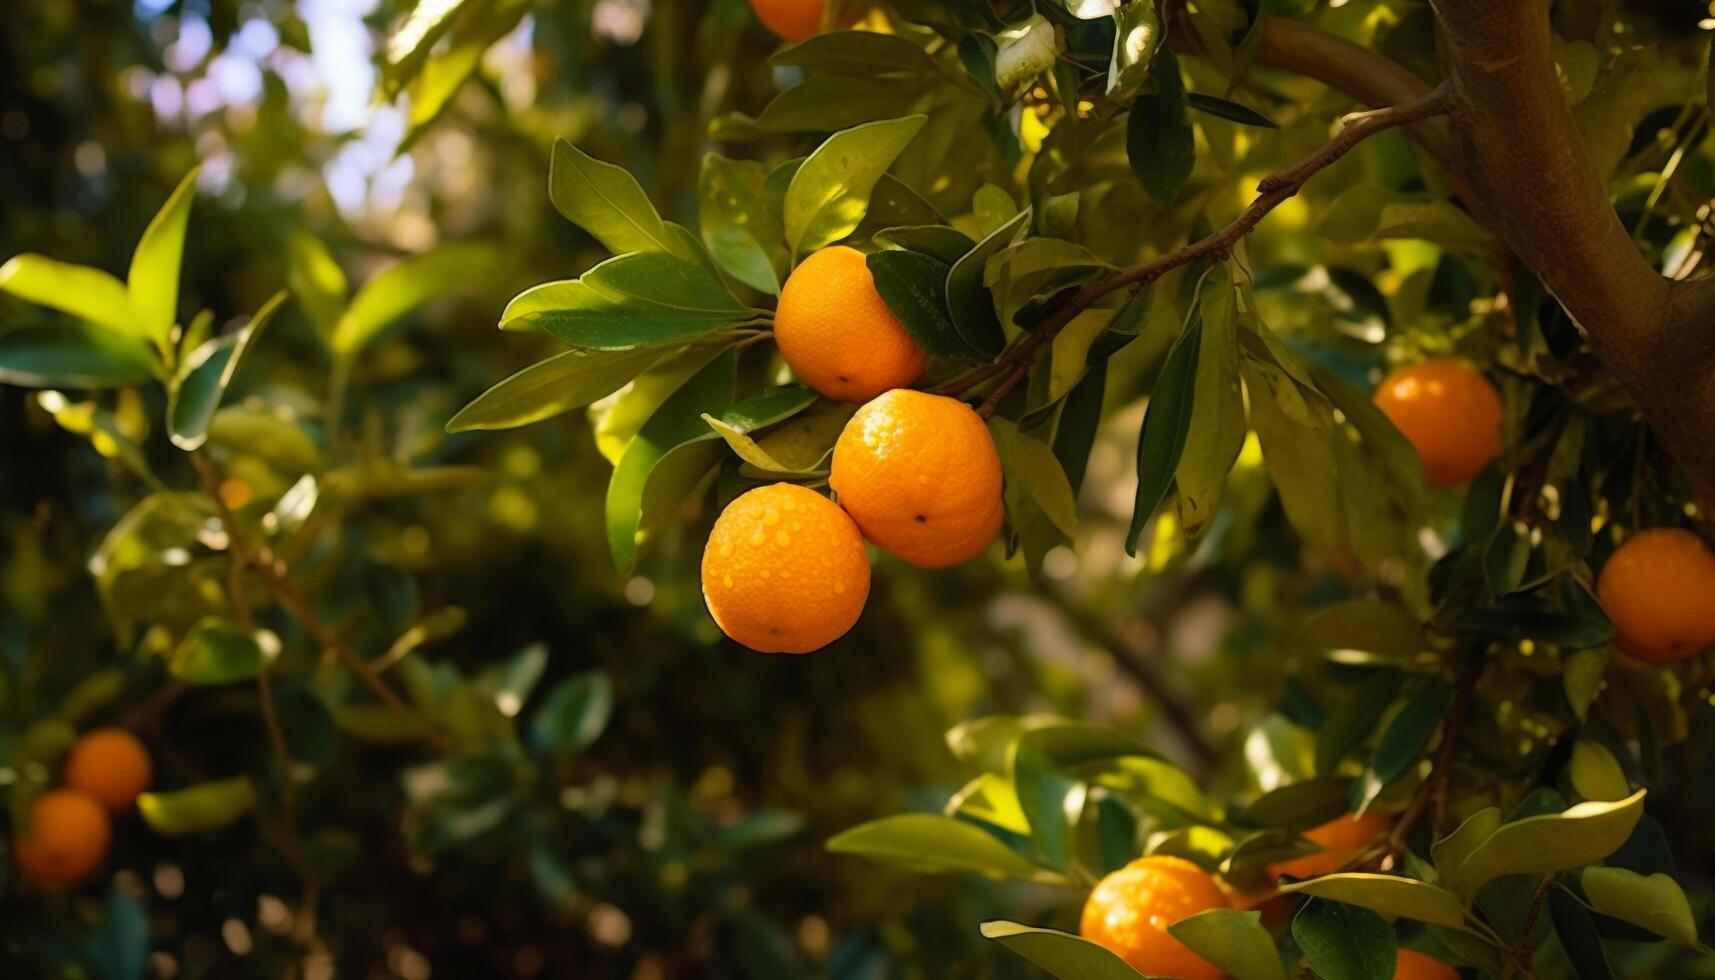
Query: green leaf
pixel 410 43
pixel 1159 141
pixel 93 295
pixel 1022 274
pixel 1370 625
pixel 1451 851
pixel 568 380
pixel 572 716
pixel 1080 420
pixel 1061 954
pixel 1583 834
pixel 1389 895
pixel 74 355
pixel 397 291
pixel 1581 675
pixel 797 447
pixel 1232 940
pixel 607 202
pixel 914 287
pixel 1595 773
pixel 218 651
pixel 1166 423
pixel 1347 725
pixel 641 299
pixel 933 844
pixel 850 77
pixel 153 282
pixel 1344 942
pixel 1578 936
pixel 968 298
pixel 1033 475
pixel 1244 115
pixel 196 392
pixel 1656 902
pixel 1137 33
pixel 1051 801
pixel 829 193
pixel 1301 805
pixel 740 226
pixel 450 65
pixel 1295 426
pixel 1216 431
pixel 991 798
pixel 677 425
pixel 316 281
pixel 944 243
pixel 197 809
pixel 992 207
pixel 1409 731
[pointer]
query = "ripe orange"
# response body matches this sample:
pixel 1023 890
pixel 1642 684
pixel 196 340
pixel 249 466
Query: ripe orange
pixel 1449 413
pixel 920 475
pixel 110 765
pixel 1342 839
pixel 1413 965
pixel 66 839
pixel 837 334
pixel 1129 912
pixel 1659 589
pixel 785 570
pixel 794 20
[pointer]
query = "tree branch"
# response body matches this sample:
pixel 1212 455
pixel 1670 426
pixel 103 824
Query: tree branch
pixel 1521 149
pixel 1271 191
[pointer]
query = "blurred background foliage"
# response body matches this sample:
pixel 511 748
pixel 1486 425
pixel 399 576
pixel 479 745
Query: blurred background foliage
pixel 687 839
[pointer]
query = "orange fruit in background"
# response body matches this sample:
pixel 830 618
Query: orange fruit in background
pixel 1413 965
pixel 1449 413
pixel 795 20
pixel 785 570
pixel 66 839
pixel 1659 589
pixel 1341 839
pixel 920 475
pixel 1129 912
pixel 837 334
pixel 110 765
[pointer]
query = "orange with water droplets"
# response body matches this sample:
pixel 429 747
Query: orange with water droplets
pixel 66 839
pixel 1449 413
pixel 1341 840
pixel 1129 912
pixel 795 20
pixel 920 475
pixel 110 765
pixel 1413 965
pixel 1659 589
pixel 785 570
pixel 836 332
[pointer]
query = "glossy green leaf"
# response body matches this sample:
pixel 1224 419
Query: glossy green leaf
pixel 1408 733
pixel 1166 423
pixel 1582 677
pixel 1655 902
pixel 153 282
pixel 914 287
pixel 74 355
pixel 829 193
pixel 968 298
pixel 1233 940
pixel 607 202
pixel 1583 834
pixel 1217 429
pixel 641 299
pixel 1227 109
pixel 395 292
pixel 1080 420
pixel 1389 895
pixel 1299 806
pixel 568 380
pixel 197 809
pixel 1061 954
pixel 932 844
pixel 1034 478
pixel 1595 773
pixel 1159 141
pixel 92 295
pixel 196 392
pixel 739 225
pixel 944 243
pixel 1345 942
pixel 1577 933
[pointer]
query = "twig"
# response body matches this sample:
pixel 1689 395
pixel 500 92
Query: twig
pixel 1271 191
pixel 1524 955
pixel 273 573
pixel 1431 796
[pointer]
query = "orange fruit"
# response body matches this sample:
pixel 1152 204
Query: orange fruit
pixel 1342 839
pixel 67 837
pixel 837 334
pixel 785 570
pixel 110 765
pixel 1413 965
pixel 920 475
pixel 795 20
pixel 1449 413
pixel 1129 912
pixel 1659 589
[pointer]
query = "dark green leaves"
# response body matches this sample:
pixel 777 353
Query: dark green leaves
pixel 74 355
pixel 1344 942
pixel 641 299
pixel 968 298
pixel 1158 138
pixel 1165 424
pixel 914 286
pixel 1244 115
pixel 829 193
pixel 572 716
pixel 196 392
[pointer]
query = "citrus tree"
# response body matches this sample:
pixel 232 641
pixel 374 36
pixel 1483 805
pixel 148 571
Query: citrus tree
pixel 1393 305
